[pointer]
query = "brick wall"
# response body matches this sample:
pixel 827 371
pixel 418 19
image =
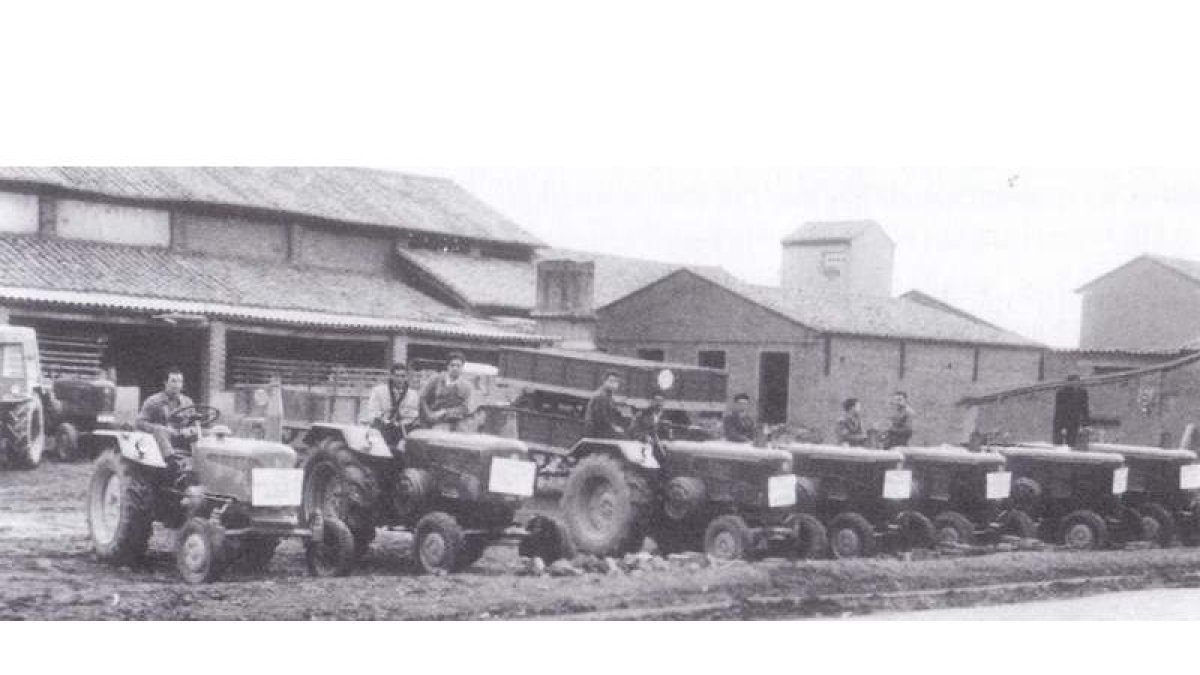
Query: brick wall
pixel 683 316
pixel 335 248
pixel 1143 306
pixel 230 236
pixel 1147 406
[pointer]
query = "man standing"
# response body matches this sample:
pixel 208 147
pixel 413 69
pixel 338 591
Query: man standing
pixel 849 429
pixel 900 430
pixel 649 423
pixel 1070 412
pixel 601 420
pixel 174 444
pixel 393 405
pixel 738 424
pixel 446 398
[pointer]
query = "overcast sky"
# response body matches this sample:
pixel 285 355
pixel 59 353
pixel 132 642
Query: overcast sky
pixel 1009 245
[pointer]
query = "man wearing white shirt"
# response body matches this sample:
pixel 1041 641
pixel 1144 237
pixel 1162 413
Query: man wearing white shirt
pixel 393 405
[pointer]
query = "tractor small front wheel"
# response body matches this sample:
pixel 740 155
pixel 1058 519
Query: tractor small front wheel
pixel 199 551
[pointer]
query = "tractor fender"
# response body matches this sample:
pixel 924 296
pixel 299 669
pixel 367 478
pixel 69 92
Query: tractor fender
pixel 136 446
pixel 634 452
pixel 358 438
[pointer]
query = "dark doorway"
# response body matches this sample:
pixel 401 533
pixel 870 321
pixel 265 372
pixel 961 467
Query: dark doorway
pixel 774 374
pixel 143 354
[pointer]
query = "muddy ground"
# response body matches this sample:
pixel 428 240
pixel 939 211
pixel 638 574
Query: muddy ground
pixel 47 571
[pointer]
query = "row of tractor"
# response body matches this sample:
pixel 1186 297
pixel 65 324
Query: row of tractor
pixel 458 491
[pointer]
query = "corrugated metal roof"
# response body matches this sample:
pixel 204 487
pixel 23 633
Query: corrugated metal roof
pixel 871 316
pixel 90 274
pixel 833 230
pixel 344 194
pixel 300 318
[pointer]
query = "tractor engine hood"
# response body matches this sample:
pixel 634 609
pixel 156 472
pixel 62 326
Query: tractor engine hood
pixel 731 453
pixel 430 444
pixel 225 465
pixel 949 454
pixel 1059 454
pixel 840 453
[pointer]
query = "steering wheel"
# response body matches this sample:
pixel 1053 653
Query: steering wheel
pixel 188 415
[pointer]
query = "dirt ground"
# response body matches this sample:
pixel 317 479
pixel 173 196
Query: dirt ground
pixel 47 571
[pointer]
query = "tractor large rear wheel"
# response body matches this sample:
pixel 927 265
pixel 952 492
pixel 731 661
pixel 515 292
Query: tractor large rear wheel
pixel 26 428
pixel 606 506
pixel 337 484
pixel 120 509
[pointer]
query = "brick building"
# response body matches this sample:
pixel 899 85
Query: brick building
pixel 1144 406
pixel 1150 304
pixel 237 274
pixel 800 353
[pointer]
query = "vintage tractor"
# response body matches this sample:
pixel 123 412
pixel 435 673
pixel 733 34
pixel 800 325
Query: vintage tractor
pixel 245 497
pixel 1164 490
pixel 730 500
pixel 1074 496
pixel 457 492
pixel 79 407
pixel 856 499
pixel 965 493
pixel 22 407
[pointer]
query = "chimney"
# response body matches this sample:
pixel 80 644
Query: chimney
pixel 566 302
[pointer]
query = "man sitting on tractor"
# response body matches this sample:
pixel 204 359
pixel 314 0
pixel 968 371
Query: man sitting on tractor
pixel 446 398
pixel 650 423
pixel 602 420
pixel 900 429
pixel 738 425
pixel 849 429
pixel 393 406
pixel 175 444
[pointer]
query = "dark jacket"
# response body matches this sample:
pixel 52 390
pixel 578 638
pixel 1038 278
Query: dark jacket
pixel 649 422
pixel 739 428
pixel 900 430
pixel 1071 407
pixel 602 420
pixel 849 430
pixel 440 394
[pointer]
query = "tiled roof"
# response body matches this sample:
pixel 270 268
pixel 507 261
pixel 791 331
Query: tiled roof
pixel 928 300
pixel 496 282
pixel 478 281
pixel 350 195
pixel 834 230
pixel 618 276
pixel 80 273
pixel 1188 268
pixel 873 316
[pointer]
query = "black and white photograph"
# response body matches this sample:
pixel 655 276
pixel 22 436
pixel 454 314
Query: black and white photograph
pixel 878 324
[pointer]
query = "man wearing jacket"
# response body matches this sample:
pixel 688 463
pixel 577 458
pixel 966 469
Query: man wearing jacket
pixel 393 405
pixel 601 419
pixel 1070 412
